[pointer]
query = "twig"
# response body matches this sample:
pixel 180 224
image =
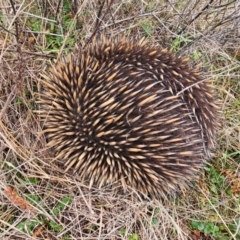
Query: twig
pixel 1 26
pixel 197 16
pixel 16 21
pixel 98 22
pixel 46 55
pixel 9 99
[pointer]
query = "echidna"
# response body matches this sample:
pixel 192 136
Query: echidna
pixel 127 111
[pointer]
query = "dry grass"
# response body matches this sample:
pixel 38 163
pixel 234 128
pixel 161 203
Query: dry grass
pixel 38 201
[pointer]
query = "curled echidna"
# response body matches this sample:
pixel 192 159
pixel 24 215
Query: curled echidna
pixel 128 111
